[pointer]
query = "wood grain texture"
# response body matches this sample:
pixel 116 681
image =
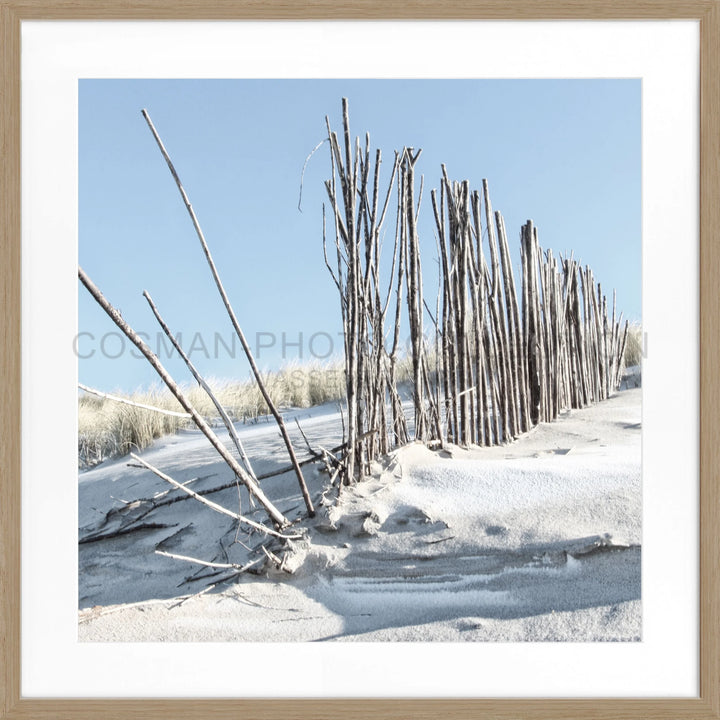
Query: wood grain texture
pixel 710 359
pixel 12 706
pixel 10 431
pixel 360 9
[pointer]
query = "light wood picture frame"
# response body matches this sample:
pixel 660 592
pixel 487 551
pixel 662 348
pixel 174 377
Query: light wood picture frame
pixel 13 705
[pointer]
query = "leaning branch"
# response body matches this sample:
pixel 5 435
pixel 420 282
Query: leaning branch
pixel 201 382
pixel 233 319
pixel 275 515
pixel 213 506
pixel 125 401
pixel 231 566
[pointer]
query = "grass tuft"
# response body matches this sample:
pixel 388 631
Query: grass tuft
pixel 107 428
pixel 634 346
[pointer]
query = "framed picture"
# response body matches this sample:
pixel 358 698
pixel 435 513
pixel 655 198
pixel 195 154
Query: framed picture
pixel 597 118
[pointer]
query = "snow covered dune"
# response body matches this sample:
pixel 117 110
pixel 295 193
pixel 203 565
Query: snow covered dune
pixel 538 540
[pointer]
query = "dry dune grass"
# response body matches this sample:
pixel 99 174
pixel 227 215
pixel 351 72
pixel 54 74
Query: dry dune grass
pixel 634 347
pixel 107 428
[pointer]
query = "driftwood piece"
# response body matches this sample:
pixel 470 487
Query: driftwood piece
pixel 160 500
pixel 125 401
pixel 205 563
pixel 213 506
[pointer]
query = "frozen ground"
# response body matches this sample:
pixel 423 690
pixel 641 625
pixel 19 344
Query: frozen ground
pixel 538 540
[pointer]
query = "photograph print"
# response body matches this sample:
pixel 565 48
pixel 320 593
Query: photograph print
pixel 359 360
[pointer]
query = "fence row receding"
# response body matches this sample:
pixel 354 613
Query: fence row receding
pixel 488 362
pixel 497 358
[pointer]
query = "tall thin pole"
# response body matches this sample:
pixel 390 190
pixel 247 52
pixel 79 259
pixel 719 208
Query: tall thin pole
pixel 234 320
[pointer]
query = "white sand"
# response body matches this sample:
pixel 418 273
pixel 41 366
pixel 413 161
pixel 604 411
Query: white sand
pixel 538 540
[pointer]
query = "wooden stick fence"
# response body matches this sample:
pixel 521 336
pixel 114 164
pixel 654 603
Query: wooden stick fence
pixel 358 218
pixel 505 359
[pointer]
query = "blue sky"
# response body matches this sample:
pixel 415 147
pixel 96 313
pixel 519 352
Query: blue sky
pixel 564 153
